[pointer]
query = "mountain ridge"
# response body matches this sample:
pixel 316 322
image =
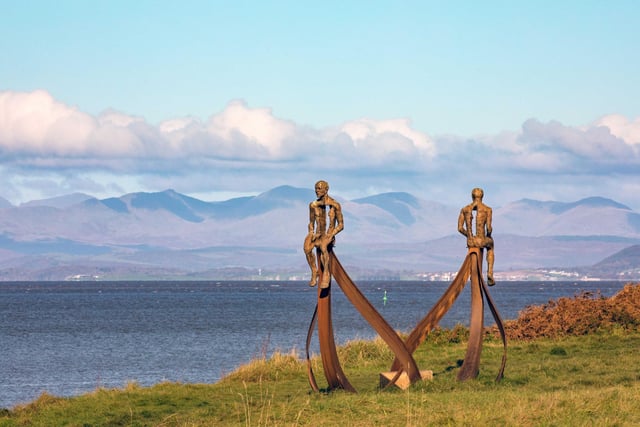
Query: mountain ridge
pixel 168 231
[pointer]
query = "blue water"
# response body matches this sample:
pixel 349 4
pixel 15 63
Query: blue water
pixel 68 338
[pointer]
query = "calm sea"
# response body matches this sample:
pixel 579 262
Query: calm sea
pixel 68 338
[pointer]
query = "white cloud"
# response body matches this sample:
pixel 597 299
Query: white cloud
pixel 594 146
pixel 243 149
pixel 257 125
pixel 36 123
pixel 388 137
pixel 623 128
pixel 177 125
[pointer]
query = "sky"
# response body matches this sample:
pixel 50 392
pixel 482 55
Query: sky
pixel 526 99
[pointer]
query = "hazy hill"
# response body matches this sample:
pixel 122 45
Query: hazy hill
pixel 4 203
pixel 59 202
pixel 593 216
pixel 168 234
pixel 624 264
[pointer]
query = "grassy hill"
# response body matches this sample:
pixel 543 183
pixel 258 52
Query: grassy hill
pixel 583 371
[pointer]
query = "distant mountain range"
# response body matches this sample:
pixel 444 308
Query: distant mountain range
pixel 168 235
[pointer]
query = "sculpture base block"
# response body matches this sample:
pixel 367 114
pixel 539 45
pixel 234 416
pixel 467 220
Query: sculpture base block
pixel 403 380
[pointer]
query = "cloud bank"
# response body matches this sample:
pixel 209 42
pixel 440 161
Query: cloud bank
pixel 50 148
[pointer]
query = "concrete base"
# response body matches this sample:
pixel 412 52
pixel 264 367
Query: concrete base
pixel 403 381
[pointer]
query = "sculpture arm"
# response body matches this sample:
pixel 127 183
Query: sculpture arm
pixel 461 224
pixel 339 220
pixel 489 226
pixel 312 217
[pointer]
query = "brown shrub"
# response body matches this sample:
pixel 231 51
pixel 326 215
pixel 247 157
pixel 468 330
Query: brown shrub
pixel 583 314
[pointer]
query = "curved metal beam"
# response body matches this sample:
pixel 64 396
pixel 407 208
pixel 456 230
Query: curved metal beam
pixel 333 372
pixel 377 322
pixel 471 365
pixel 419 333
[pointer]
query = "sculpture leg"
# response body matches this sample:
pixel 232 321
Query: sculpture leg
pixel 490 259
pixel 326 266
pixel 311 260
pixel 471 365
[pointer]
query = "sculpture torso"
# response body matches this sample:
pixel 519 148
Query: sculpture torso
pixel 478 235
pixel 319 213
pixel 322 209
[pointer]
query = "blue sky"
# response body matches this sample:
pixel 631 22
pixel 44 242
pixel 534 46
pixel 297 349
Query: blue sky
pixel 216 99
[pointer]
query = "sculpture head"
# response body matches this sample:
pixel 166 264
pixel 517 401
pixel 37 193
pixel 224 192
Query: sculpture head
pixel 322 188
pixel 477 194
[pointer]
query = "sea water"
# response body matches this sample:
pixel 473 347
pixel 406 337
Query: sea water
pixel 68 338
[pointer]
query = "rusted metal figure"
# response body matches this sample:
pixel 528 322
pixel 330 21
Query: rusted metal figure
pixel 481 238
pixel 319 236
pixel 471 268
pixel 325 265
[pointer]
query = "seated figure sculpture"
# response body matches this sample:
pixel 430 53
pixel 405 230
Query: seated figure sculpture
pixel 482 236
pixel 322 232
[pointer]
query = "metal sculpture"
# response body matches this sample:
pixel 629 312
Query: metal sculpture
pixel 325 265
pixel 320 236
pixel 471 268
pixel 483 228
pixel 477 242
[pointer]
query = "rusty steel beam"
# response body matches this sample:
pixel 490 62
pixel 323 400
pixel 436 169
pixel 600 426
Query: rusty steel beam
pixel 419 333
pixel 333 372
pixel 377 322
pixel 500 324
pixel 312 378
pixel 322 316
pixel 471 365
pixel 403 353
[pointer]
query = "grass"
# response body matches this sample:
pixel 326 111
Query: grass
pixel 585 379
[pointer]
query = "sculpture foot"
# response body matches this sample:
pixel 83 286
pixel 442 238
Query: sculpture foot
pixel 490 280
pixel 314 279
pixel 326 279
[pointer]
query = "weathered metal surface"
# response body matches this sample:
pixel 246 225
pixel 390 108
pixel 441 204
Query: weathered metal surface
pixel 325 264
pixel 419 333
pixel 325 221
pixel 312 378
pixel 478 236
pixel 333 372
pixel 377 322
pixel 332 369
pixel 499 324
pixel 478 239
pixel 471 365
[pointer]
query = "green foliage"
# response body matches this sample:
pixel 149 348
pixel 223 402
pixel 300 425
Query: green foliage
pixel 558 351
pixel 458 334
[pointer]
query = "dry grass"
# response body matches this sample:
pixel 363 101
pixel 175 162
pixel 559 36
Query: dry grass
pixel 583 314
